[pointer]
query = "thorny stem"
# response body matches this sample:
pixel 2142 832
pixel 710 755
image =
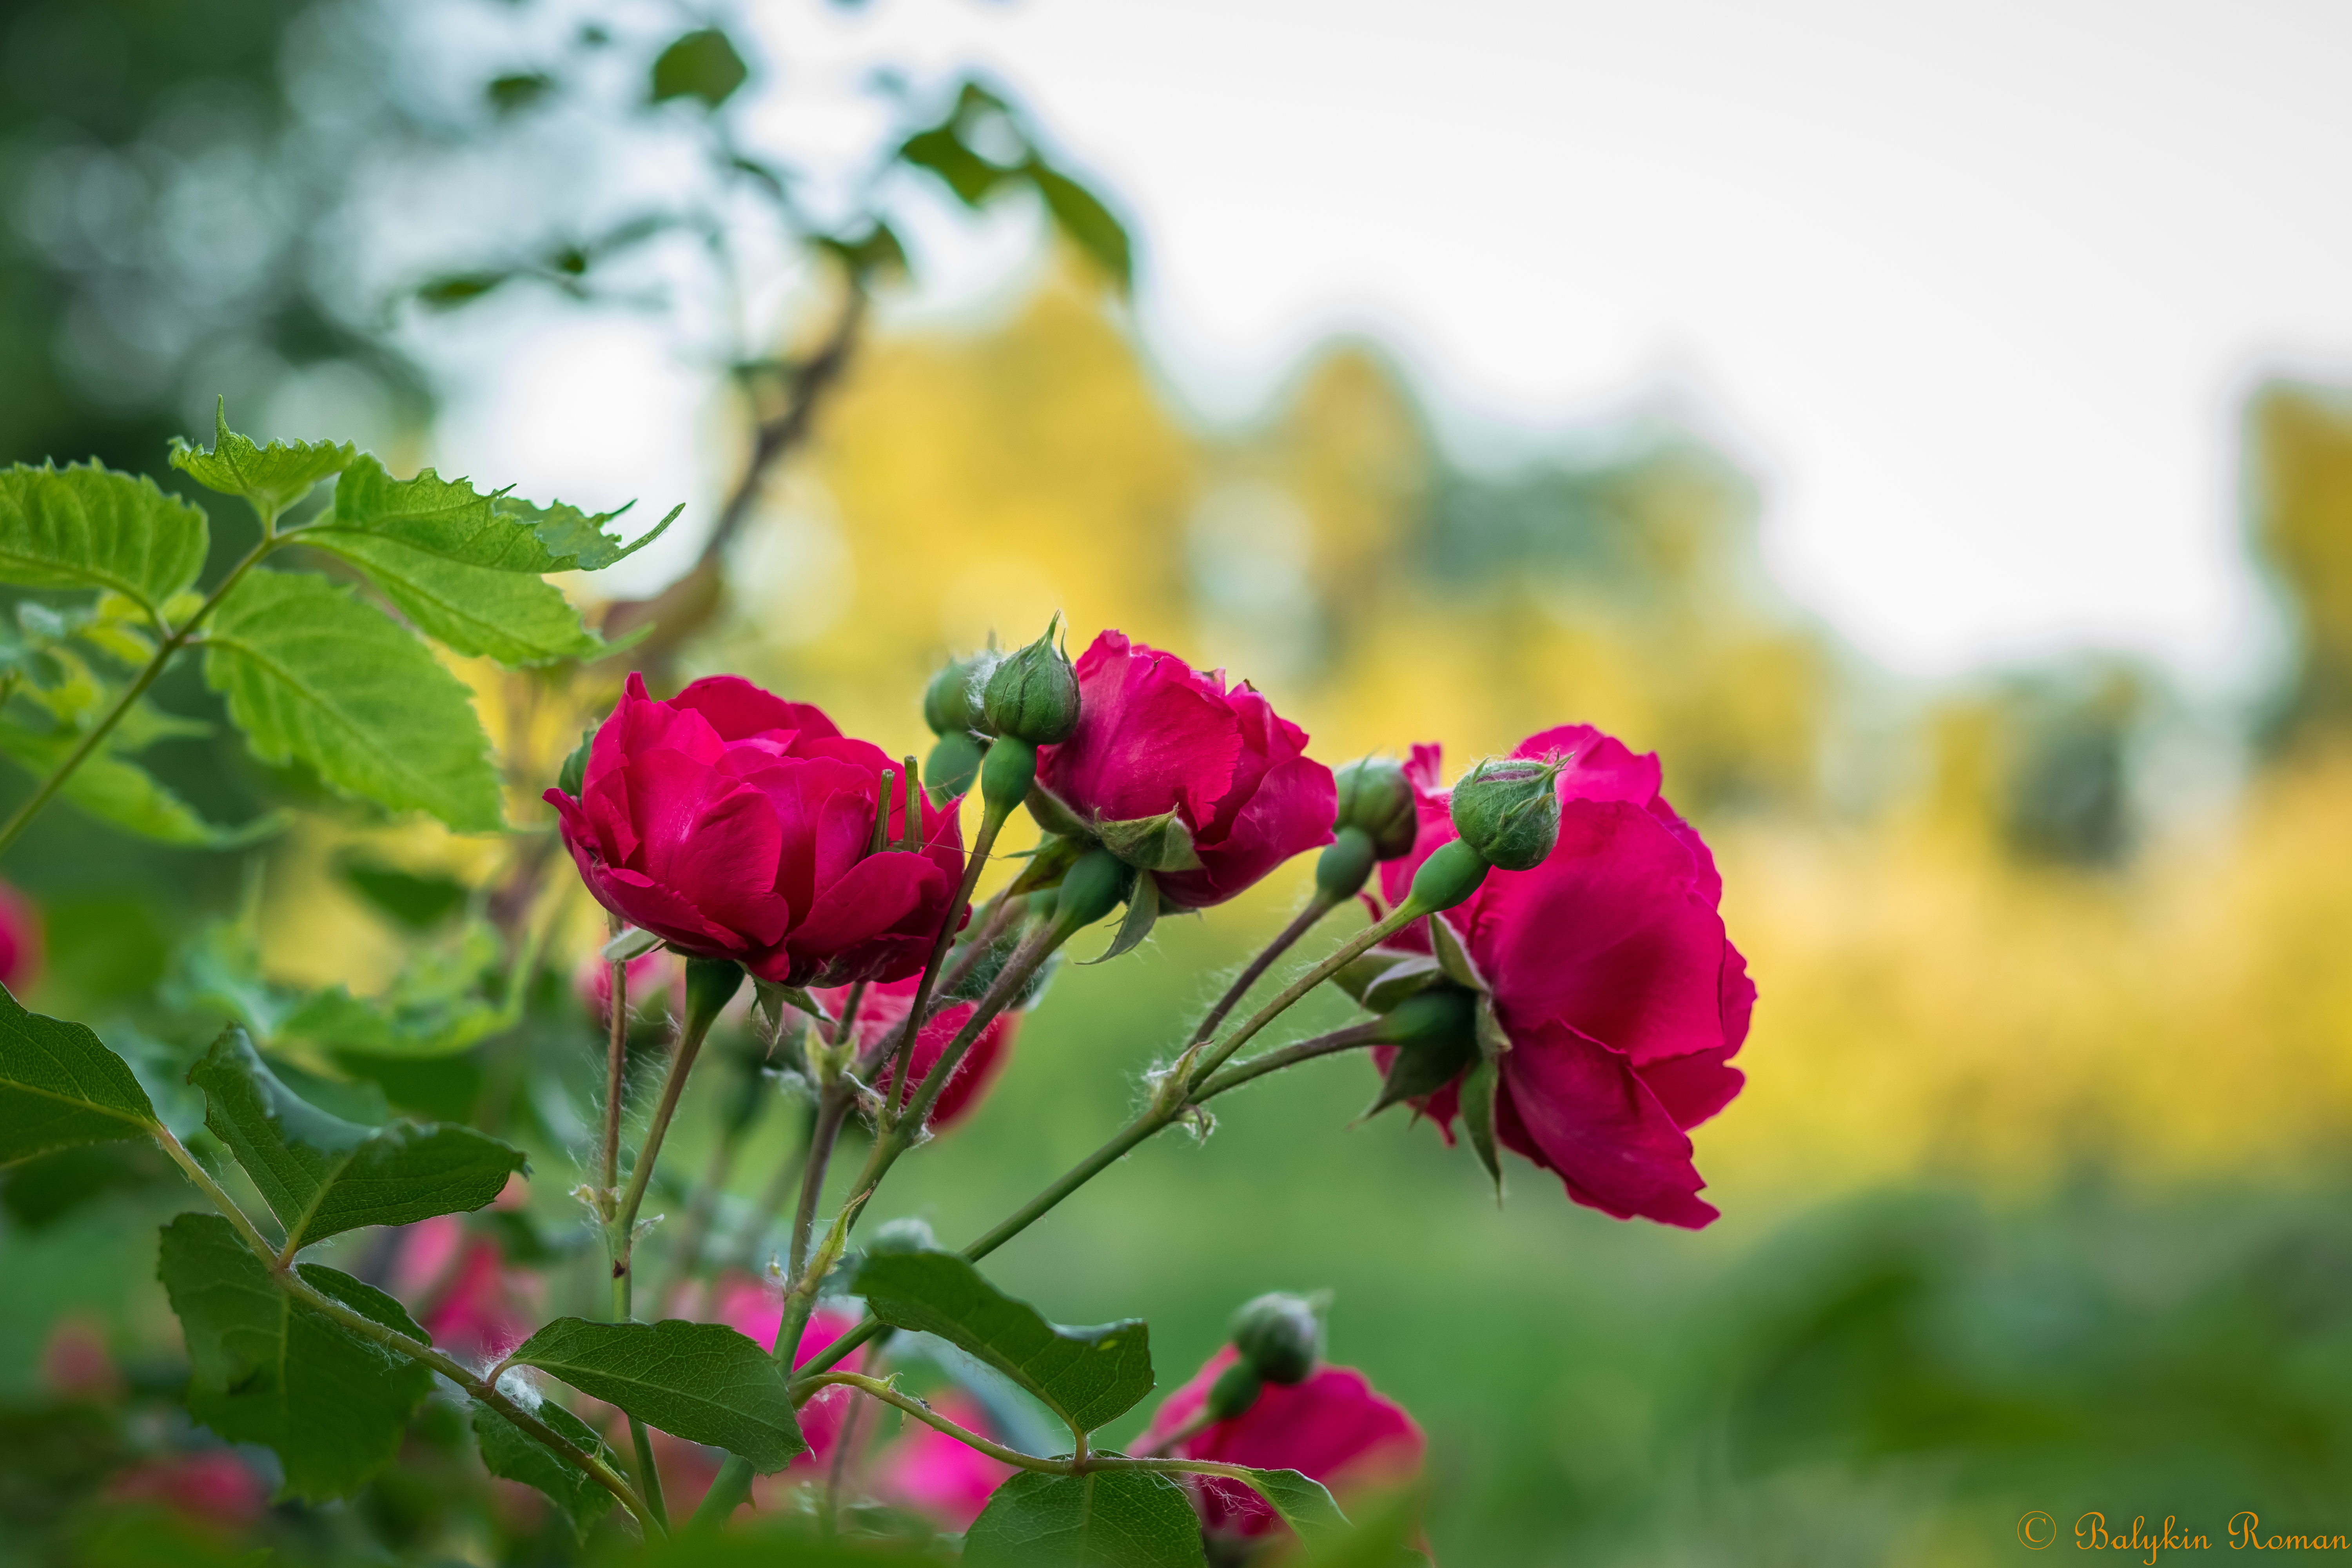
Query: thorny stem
pixel 289 1280
pixel 1317 908
pixel 23 816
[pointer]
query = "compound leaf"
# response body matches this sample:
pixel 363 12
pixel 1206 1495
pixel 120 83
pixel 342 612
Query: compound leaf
pixel 1086 1376
pixel 323 1175
pixel 59 1086
pixel 1105 1519
pixel 311 673
pixel 266 1368
pixel 271 478
pixel 702 1381
pixel 89 527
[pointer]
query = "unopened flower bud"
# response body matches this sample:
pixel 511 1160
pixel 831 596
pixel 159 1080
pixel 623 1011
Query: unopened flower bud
pixel 1508 811
pixel 574 776
pixel 1277 1337
pixel 953 700
pixel 1033 694
pixel 953 766
pixel 1375 795
pixel 1346 865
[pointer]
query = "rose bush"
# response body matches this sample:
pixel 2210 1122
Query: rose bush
pixel 735 824
pixel 1156 737
pixel 1609 970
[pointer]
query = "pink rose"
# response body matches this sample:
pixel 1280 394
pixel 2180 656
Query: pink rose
pixel 1154 736
pixel 212 1485
pixel 469 1298
pixel 934 1475
pixel 733 824
pixel 1332 1429
pixel 882 1012
pixel 1611 973
pixel 650 976
pixel 20 940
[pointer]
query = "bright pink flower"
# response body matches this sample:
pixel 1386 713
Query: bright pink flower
pixel 1611 971
pixel 1155 736
pixel 20 940
pixel 883 1011
pixel 733 824
pixel 934 1475
pixel 757 1311
pixel 471 1302
pixel 1332 1429
pixel 650 977
pixel 212 1485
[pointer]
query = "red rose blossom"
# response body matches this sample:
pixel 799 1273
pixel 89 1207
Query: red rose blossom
pixel 1612 974
pixel 1332 1427
pixel 935 1475
pixel 733 824
pixel 882 1012
pixel 1155 736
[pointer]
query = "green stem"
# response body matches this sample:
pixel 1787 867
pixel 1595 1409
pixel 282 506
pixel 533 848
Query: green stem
pixel 991 822
pixel 23 816
pixel 287 1279
pixel 681 1062
pixel 616 1067
pixel 995 916
pixel 1364 1034
pixel 1404 915
pixel 1317 908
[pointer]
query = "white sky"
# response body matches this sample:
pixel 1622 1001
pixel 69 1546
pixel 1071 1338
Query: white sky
pixel 1975 290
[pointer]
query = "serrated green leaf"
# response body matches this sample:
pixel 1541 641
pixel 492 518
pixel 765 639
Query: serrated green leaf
pixel 1087 1376
pixel 395 1027
pixel 264 1368
pixel 1105 1519
pixel 126 795
pixel 445 518
pixel 513 1455
pixel 89 527
pixel 323 1175
pixel 59 1086
pixel 1079 214
pixel 313 675
pixel 702 1381
pixel 1305 1504
pixel 702 64
pixel 478 611
pixel 576 538
pixel 272 477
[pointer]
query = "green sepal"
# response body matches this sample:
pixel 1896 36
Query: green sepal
pixel 1479 1086
pixel 270 478
pixel 267 1368
pixel 1052 814
pixel 1160 843
pixel 1453 958
pixel 59 1087
pixel 1405 978
pixel 702 1382
pixel 1142 914
pixel 1085 1375
pixel 512 1454
pixel 323 1175
pixel 1103 1519
pixel 1493 1041
pixel 1048 864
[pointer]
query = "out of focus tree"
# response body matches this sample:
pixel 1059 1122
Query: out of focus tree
pixel 2300 454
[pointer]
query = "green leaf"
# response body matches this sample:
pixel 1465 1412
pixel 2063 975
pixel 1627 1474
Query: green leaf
pixel 458 289
pixel 88 527
pixel 59 1086
pixel 1105 1519
pixel 418 902
pixel 702 64
pixel 1304 1505
pixel 272 477
pixel 398 1026
pixel 265 1368
pixel 124 794
pixel 445 518
pixel 702 1381
pixel 576 538
pixel 479 611
pixel 323 1175
pixel 1080 215
pixel 513 1455
pixel 517 91
pixel 1142 914
pixel 1086 1376
pixel 311 673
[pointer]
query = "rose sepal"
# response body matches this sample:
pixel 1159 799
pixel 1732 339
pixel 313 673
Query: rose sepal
pixel 1160 843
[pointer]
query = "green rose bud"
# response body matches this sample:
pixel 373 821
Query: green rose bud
pixel 1508 811
pixel 1346 865
pixel 1277 1336
pixel 1375 795
pixel 1033 693
pixel 953 763
pixel 575 766
pixel 953 700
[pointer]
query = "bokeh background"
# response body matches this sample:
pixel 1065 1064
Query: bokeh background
pixel 2025 741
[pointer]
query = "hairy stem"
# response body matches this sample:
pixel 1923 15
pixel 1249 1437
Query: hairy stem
pixel 991 823
pixel 1404 915
pixel 992 917
pixel 1317 908
pixel 616 1068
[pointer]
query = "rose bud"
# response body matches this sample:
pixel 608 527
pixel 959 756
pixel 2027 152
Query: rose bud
pixel 20 940
pixel 882 1012
pixel 1331 1426
pixel 1032 695
pixel 1375 822
pixel 734 825
pixel 952 765
pixel 1507 811
pixel 951 702
pixel 1607 967
pixel 1157 740
pixel 1278 1336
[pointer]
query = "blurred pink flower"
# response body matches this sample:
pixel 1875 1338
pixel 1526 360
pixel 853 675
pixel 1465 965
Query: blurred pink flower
pixel 20 940
pixel 933 1474
pixel 883 1011
pixel 651 977
pixel 212 1485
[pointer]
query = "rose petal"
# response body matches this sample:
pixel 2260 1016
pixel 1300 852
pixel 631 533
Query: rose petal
pixel 1290 814
pixel 737 709
pixel 1577 1107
